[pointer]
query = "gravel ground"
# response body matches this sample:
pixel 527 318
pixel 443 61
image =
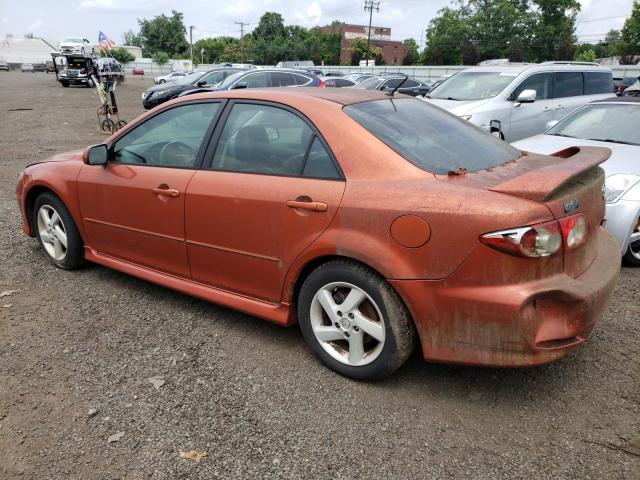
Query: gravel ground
pixel 250 393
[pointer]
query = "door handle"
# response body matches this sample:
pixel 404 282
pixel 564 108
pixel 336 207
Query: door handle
pixel 559 107
pixel 546 109
pixel 165 191
pixel 304 205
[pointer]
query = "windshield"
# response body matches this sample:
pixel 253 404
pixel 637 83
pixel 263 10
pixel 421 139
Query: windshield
pixel 72 40
pixel 473 86
pixel 429 137
pixel 190 79
pixel 607 122
pixel 370 83
pixel 230 79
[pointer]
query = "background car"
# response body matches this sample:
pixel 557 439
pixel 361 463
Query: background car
pixel 49 67
pixel 4 66
pixel 615 124
pixel 137 71
pixel 169 77
pixel 161 93
pixel 38 67
pixel 633 90
pixel 261 200
pixel 410 86
pixel 514 101
pixel 264 78
pixel 333 74
pixel 27 67
pixel 340 82
pixel 621 84
pixel 358 76
pixel 76 45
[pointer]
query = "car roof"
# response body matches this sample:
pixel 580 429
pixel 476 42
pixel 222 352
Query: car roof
pixel 341 96
pixel 517 68
pixel 628 99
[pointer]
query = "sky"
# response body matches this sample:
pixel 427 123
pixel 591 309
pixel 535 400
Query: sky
pixel 56 19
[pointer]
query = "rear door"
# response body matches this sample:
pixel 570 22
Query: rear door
pixel 569 92
pixel 270 187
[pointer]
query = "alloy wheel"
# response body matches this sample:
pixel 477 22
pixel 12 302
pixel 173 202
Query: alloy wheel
pixel 634 241
pixel 52 232
pixel 347 323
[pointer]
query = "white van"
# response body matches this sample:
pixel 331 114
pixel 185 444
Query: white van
pixel 515 101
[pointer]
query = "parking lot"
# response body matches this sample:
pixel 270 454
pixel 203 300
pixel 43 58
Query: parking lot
pixel 78 350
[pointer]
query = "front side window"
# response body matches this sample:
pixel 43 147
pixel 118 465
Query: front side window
pixel 429 137
pixel 271 140
pixel 169 139
pixel 568 84
pixel 540 82
pixel 213 78
pixel 473 85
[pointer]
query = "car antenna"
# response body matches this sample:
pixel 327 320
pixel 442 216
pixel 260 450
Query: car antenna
pixel 390 94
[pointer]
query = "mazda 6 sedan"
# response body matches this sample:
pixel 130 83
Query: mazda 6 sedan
pixel 374 221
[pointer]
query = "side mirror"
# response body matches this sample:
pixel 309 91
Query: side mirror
pixel 551 124
pixel 96 155
pixel 240 85
pixel 527 96
pixel 200 84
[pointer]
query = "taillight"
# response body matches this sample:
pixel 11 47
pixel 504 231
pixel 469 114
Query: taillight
pixel 542 239
pixel 574 231
pixel 321 83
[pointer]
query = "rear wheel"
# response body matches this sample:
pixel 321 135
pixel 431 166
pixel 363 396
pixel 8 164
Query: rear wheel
pixel 632 255
pixel 57 232
pixel 354 321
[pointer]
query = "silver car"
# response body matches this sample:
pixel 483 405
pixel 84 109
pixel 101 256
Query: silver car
pixel 613 123
pixel 515 101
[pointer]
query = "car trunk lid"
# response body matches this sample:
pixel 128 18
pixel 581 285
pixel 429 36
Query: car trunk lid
pixel 567 182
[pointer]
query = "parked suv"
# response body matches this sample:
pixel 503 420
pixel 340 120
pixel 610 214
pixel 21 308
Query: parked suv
pixel 515 101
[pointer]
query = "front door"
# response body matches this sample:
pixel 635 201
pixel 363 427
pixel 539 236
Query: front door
pixel 271 189
pixel 529 119
pixel 133 208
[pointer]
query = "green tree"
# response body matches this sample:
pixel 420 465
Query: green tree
pixel 130 38
pixel 586 56
pixel 446 35
pixel 164 34
pixel 160 58
pixel 122 55
pixel 213 48
pixel 270 27
pixel 413 55
pixel 630 34
pixel 555 29
pixel 361 51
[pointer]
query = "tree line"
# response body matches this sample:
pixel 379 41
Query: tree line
pixel 465 33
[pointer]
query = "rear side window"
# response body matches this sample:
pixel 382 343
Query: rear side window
pixel 540 82
pixel 599 82
pixel 568 84
pixel 301 79
pixel 282 79
pixel 430 138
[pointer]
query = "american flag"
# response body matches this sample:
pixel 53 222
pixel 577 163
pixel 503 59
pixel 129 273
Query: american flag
pixel 104 42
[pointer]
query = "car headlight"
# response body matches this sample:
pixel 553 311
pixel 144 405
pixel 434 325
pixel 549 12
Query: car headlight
pixel 616 185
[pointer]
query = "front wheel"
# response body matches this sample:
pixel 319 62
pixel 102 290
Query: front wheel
pixel 57 232
pixel 632 255
pixel 354 321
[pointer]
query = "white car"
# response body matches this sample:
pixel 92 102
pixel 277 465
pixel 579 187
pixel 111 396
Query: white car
pixel 515 100
pixel 76 45
pixel 613 123
pixel 169 77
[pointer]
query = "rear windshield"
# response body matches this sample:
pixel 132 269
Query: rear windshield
pixel 429 137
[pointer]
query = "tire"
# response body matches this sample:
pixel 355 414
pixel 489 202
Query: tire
pixel 379 322
pixel 162 81
pixel 48 205
pixel 631 258
pixel 65 84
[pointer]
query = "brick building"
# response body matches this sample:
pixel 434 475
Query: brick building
pixel 393 52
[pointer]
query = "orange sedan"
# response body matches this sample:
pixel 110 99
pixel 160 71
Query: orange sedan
pixel 374 221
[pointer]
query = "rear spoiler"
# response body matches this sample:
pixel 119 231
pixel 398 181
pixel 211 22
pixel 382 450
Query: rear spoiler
pixel 543 183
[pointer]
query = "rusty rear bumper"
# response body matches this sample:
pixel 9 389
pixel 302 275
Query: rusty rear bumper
pixel 512 325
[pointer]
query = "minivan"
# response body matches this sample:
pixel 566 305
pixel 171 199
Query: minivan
pixel 515 100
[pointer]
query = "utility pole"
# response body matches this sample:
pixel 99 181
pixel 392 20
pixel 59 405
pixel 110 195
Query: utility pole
pixel 370 5
pixel 242 25
pixel 191 42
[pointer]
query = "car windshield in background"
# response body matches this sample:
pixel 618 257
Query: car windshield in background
pixel 189 79
pixel 72 40
pixel 230 79
pixel 430 138
pixel 607 122
pixel 473 86
pixel 370 83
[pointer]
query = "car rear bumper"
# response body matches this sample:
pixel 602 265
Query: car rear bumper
pixel 512 325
